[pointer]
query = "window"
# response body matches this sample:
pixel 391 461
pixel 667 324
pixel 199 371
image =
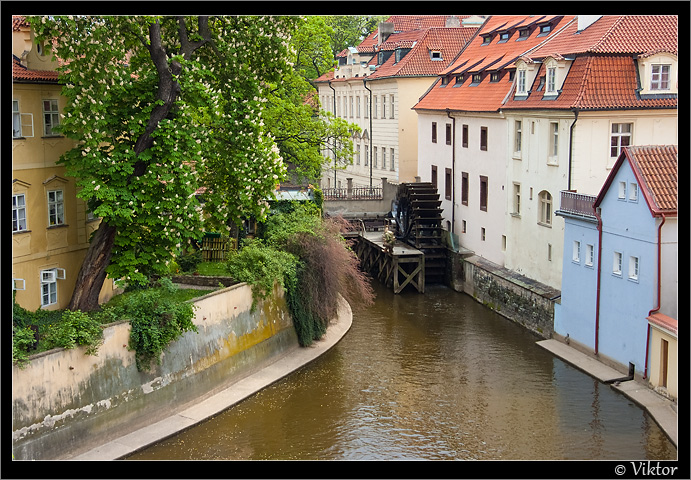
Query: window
pixel 465 136
pixel 392 165
pixel 18 284
pixel 357 155
pixel 383 106
pixel 633 268
pixel 18 213
pixel 486 39
pixel 434 132
pixel 56 208
pixel 445 80
pixel 16 120
pixel 448 134
pixel 545 200
pixel 447 184
pixel 49 285
pixel 483 193
pixel 503 243
pixel 621 137
pixel 352 110
pixel 523 34
pixel 659 78
pixel 383 157
pixel 464 188
pixel 549 252
pixel 366 155
pixel 483 138
pixel 482 234
pixel 633 192
pixel 391 106
pixel 544 30
pixel 516 198
pixel 374 106
pixel 464 226
pixel 576 256
pixel 554 139
pixel 503 37
pixel 552 80
pixel 477 78
pixel 374 158
pixel 589 255
pixel 517 136
pixel 357 107
pixel 622 190
pixel 494 77
pixel 435 55
pixel 520 84
pixel 616 266
pixel 51 117
pixel 434 176
pixel 366 107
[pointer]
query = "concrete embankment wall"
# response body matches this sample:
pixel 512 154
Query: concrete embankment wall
pixel 514 296
pixel 65 402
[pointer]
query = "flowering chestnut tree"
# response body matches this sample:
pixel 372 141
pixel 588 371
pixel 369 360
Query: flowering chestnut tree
pixel 160 107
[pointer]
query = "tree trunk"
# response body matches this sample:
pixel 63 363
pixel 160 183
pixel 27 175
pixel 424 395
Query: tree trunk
pixel 92 274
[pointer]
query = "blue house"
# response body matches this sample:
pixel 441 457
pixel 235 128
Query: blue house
pixel 620 258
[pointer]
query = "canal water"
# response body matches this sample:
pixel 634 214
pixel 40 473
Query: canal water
pixel 437 377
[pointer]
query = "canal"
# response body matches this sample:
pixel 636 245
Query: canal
pixel 436 377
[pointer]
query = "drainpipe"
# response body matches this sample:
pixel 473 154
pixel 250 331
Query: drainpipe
pixel 453 170
pixel 334 102
pixel 659 277
pixel 371 136
pixel 599 274
pixel 575 112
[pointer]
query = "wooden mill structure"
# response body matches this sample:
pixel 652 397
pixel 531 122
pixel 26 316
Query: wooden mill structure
pixel 418 256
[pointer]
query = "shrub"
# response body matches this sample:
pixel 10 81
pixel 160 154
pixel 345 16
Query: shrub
pixel 76 328
pixel 22 340
pixel 188 262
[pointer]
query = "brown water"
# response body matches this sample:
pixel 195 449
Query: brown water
pixel 435 376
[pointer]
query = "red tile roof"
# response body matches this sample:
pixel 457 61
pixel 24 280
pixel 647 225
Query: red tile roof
pixel 594 83
pixel 661 320
pixel 476 57
pixel 655 167
pixel 22 74
pixel 636 34
pixel 19 22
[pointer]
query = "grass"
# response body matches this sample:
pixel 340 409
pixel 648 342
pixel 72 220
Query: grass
pixel 181 295
pixel 212 269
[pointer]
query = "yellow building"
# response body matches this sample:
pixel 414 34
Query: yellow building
pixel 50 225
pixel 663 354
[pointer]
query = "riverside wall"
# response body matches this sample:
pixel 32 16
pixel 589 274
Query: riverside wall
pixel 513 296
pixel 65 402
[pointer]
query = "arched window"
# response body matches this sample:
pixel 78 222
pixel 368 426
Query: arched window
pixel 545 211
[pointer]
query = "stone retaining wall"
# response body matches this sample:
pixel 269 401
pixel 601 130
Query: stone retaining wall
pixel 65 402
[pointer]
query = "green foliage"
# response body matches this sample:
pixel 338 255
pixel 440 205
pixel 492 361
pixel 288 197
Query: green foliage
pixel 350 30
pixel 213 269
pixel 261 266
pixel 76 328
pixel 188 262
pixel 22 340
pixel 156 320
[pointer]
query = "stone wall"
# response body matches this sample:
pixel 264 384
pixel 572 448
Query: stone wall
pixel 65 402
pixel 514 296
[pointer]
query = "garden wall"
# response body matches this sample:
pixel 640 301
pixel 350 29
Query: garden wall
pixel 65 402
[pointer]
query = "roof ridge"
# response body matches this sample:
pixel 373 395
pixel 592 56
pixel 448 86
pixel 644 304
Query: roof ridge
pixel 603 38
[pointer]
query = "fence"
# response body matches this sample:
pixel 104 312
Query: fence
pixel 577 203
pixel 354 193
pixel 215 249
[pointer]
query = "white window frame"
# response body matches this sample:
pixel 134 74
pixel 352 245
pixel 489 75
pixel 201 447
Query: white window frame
pixel 357 154
pixel 375 102
pixel 633 192
pixel 616 264
pixel 357 108
pixel 617 136
pixel 18 286
pixel 551 80
pixel 589 255
pixel 392 165
pixel 553 143
pixel 383 106
pixel 374 158
pixel 622 190
pixel 391 106
pixel 16 210
pixel 576 255
pixel 545 210
pixel 59 205
pixel 657 71
pixel 18 121
pixel 51 118
pixel 634 268
pixel 521 81
pixel 518 137
pixel 49 285
pixel 516 200
pixel 383 158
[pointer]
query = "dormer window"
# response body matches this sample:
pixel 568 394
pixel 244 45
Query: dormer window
pixel 544 30
pixel 659 77
pixel 523 34
pixel 459 80
pixel 435 54
pixel 477 78
pixel 486 39
pixel 521 83
pixel 551 80
pixel 494 77
pixel 503 37
pixel 444 80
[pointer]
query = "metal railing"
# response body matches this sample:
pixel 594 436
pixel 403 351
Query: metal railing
pixel 577 203
pixel 355 193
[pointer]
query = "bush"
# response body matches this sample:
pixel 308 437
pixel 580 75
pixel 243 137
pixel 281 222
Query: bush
pixel 188 262
pixel 23 339
pixel 76 328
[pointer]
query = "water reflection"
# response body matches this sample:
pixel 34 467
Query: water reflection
pixel 433 376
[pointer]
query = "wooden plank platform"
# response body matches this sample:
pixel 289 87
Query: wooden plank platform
pixel 399 268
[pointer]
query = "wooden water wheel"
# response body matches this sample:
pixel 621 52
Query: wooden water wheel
pixel 417 210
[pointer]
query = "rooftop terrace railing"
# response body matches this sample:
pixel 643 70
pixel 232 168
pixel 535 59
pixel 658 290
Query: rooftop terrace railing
pixel 577 203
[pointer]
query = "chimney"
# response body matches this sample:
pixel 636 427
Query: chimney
pixel 584 21
pixel 385 29
pixel 452 21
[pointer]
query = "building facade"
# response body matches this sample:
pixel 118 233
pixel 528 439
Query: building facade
pixel 50 225
pixel 375 86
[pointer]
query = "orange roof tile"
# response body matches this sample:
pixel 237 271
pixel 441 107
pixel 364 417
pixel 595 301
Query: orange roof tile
pixel 22 74
pixel 19 22
pixel 476 56
pixel 655 167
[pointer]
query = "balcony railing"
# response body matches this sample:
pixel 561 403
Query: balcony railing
pixel 355 193
pixel 577 203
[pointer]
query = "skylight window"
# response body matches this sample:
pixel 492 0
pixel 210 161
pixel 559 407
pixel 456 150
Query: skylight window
pixel 435 54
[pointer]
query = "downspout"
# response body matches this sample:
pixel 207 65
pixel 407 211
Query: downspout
pixel 659 277
pixel 453 170
pixel 575 112
pixel 371 136
pixel 334 102
pixel 599 274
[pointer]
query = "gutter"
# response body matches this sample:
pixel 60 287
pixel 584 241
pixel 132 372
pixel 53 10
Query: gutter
pixel 371 135
pixel 575 112
pixel 599 274
pixel 334 102
pixel 659 277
